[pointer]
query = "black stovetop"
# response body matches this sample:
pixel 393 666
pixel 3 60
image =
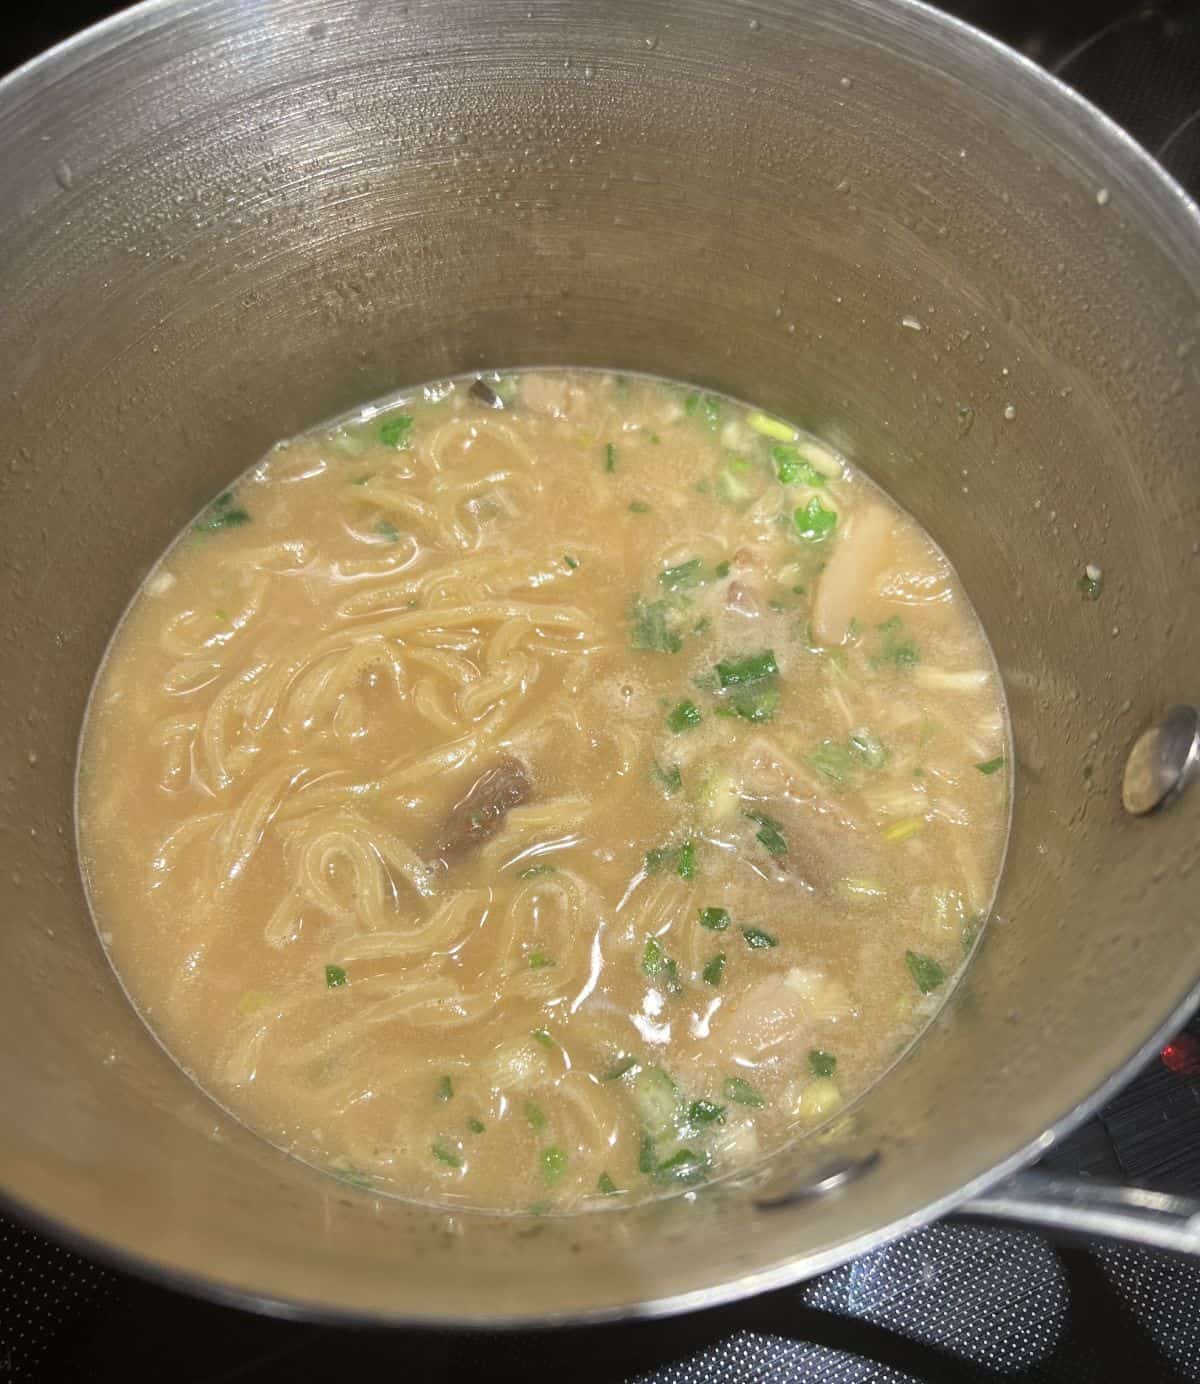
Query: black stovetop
pixel 951 1304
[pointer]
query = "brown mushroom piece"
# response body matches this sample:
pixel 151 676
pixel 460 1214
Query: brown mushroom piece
pixel 480 812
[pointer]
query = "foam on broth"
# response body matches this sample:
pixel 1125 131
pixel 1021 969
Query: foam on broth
pixel 532 805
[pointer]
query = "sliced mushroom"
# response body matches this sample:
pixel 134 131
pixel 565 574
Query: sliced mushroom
pixel 480 813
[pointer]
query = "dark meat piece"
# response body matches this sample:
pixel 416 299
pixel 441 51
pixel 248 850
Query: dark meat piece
pixel 480 813
pixel 485 394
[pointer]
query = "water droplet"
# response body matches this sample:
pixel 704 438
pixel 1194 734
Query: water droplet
pixel 912 323
pixel 847 82
pixel 63 175
pixel 589 71
pixel 1010 412
pixel 1102 197
pixel 755 25
pixel 843 186
pixel 652 41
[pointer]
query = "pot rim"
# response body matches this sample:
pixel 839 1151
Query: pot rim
pixel 37 74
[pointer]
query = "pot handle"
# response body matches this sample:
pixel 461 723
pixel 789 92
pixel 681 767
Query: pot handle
pixel 1071 1208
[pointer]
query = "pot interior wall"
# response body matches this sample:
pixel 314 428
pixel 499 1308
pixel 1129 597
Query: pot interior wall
pixel 222 222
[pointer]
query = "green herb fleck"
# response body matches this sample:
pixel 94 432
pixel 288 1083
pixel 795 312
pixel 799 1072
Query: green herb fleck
pixel 682 1169
pixel 650 629
pixel 685 575
pixel 606 1186
pixel 705 1112
pixel 386 529
pixel 821 1063
pixel 738 672
pixel 533 871
pixel 476 1125
pixel 572 562
pixel 395 432
pixel 533 1113
pixel 715 919
pixel 705 406
pixel 894 648
pixel 686 716
pixel 770 833
pixel 553 1163
pixel 657 964
pixel 335 976
pixel 687 860
pixel 742 1093
pixel 363 479
pixel 989 766
pixel 541 1035
pixel 538 961
pixel 619 1069
pixel 925 971
pixel 714 970
pixel 445 1089
pixel 1091 585
pixel 445 1152
pixel 222 514
pixel 647 1157
pixel 638 507
pixel 759 939
pixel 792 469
pixel 610 457
pixel 814 523
pixel 669 780
pixel 755 704
pixel 969 931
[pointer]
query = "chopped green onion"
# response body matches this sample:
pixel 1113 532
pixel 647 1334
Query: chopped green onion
pixel 541 1035
pixel 755 704
pixel 771 427
pixel 900 652
pixel 606 1186
pixel 395 432
pixel 682 1168
pixel 821 1063
pixel 619 1069
pixel 831 761
pixel 759 939
pixel 444 1152
pixel 445 1090
pixel 335 976
pixel 638 507
pixel 869 748
pixel 656 963
pixel 610 457
pixel 386 529
pixel 792 469
pixel 222 514
pixel 686 716
pixel 476 1125
pixel 646 1155
pixel 705 1112
pixel 736 672
pixel 533 1113
pixel 685 575
pixel 770 833
pixel 742 1093
pixel 905 828
pixel 572 562
pixel 687 860
pixel 989 766
pixel 925 971
pixel 553 1163
pixel 650 629
pixel 1091 583
pixel 669 780
pixel 714 970
pixel 814 522
pixel 533 871
pixel 538 961
pixel 659 857
pixel 705 405
pixel 715 919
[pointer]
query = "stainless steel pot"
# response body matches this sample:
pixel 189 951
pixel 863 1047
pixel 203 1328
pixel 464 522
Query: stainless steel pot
pixel 221 221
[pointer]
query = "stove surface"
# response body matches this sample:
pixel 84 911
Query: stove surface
pixel 953 1303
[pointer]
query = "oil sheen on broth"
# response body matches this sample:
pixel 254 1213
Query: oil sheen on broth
pixel 562 788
